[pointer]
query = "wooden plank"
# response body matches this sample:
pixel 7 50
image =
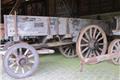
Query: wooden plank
pixel 101 58
pixel 52 44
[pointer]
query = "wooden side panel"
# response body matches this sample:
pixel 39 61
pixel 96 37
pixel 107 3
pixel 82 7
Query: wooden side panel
pixel 43 26
pixel 27 25
pixel 53 25
pixel 62 26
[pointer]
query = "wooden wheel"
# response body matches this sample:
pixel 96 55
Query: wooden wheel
pixel 68 50
pixel 91 42
pixel 21 60
pixel 115 47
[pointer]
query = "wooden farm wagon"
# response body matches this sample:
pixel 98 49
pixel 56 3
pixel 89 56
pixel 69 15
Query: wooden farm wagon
pixel 27 36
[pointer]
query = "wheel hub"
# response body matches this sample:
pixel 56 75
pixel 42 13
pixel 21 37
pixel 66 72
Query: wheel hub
pixel 93 44
pixel 22 61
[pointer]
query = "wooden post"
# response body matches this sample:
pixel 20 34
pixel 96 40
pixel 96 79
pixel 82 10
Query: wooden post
pixel 16 37
pixel 51 8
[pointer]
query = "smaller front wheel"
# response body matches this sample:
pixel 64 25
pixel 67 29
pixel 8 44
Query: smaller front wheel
pixel 68 50
pixel 115 48
pixel 21 60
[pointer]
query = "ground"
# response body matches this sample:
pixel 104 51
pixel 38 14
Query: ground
pixel 57 67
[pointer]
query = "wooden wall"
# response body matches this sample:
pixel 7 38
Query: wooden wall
pixel 68 8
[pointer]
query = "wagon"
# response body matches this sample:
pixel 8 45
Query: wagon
pixel 27 36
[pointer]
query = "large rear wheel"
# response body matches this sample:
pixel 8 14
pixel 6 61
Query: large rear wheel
pixel 91 42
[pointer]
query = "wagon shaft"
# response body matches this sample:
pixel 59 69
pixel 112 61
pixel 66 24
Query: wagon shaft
pixel 101 58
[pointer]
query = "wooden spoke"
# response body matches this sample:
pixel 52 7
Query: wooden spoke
pixel 16 70
pixel 98 35
pixel 87 54
pixel 23 71
pixel 13 64
pixel 30 56
pixel 69 51
pixel 91 33
pixel 83 45
pixel 97 53
pixel 20 51
pixel 116 47
pixel 94 33
pixel 100 39
pixel 84 39
pixel 86 34
pixel 118 59
pixel 26 52
pixel 66 50
pixel 100 49
pixel 31 61
pixel 90 55
pixel 101 44
pixel 85 49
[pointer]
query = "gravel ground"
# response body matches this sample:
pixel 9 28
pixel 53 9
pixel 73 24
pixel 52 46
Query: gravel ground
pixel 57 67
